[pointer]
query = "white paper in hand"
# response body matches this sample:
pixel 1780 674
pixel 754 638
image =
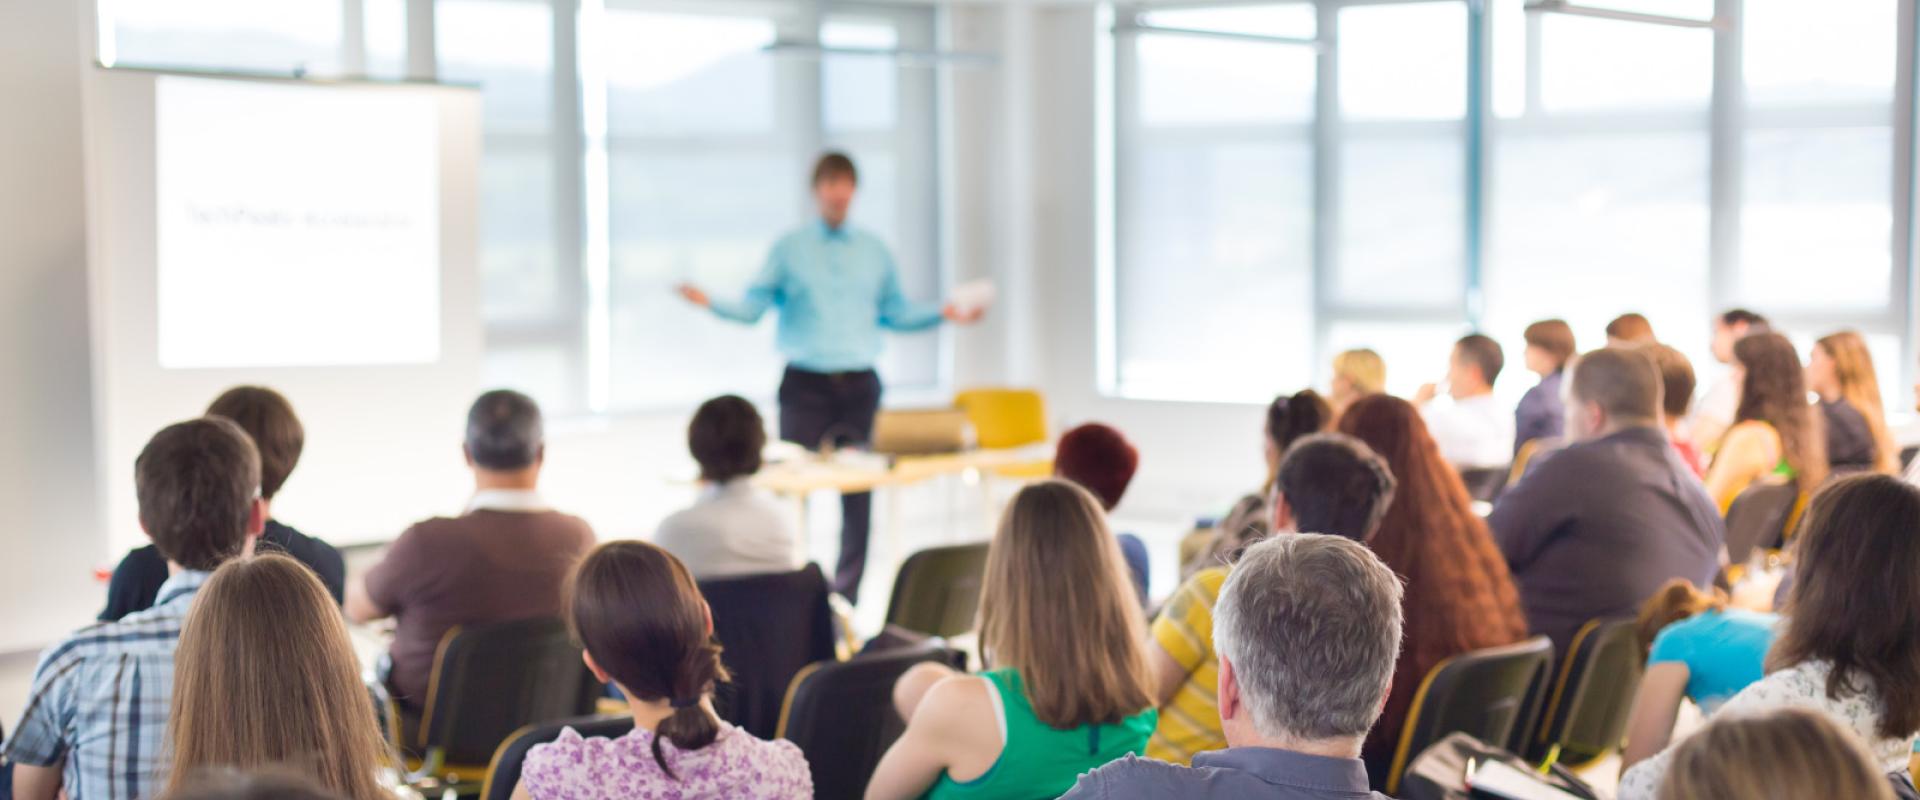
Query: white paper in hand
pixel 972 295
pixel 1501 780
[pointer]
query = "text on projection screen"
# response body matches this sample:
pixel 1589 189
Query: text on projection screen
pixel 297 225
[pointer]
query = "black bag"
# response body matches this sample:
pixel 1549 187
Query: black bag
pixel 1440 771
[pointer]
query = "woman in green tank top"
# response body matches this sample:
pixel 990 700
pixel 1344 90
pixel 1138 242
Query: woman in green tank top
pixel 1069 690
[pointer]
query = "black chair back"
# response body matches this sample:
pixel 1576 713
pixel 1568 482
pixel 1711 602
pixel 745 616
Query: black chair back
pixel 1758 519
pixel 938 590
pixel 1482 694
pixel 1485 483
pixel 1592 698
pixel 769 627
pixel 841 715
pixel 503 773
pixel 489 680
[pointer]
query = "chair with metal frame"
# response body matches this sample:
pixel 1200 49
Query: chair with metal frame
pixel 1483 693
pixel 938 590
pixel 841 715
pixel 1586 715
pixel 503 772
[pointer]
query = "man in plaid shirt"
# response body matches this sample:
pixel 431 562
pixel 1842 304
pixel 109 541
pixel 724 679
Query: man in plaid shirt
pixel 96 721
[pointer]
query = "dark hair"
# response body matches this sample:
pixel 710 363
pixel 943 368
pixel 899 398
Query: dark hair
pixel 1336 485
pixel 1631 327
pixel 726 437
pixel 504 431
pixel 1098 458
pixel 1290 417
pixel 1483 353
pixel 1775 392
pixel 196 481
pixel 1623 381
pixel 1676 378
pixel 1856 593
pixel 267 417
pixel 834 164
pixel 1741 316
pixel 226 784
pixel 638 612
pixel 1555 337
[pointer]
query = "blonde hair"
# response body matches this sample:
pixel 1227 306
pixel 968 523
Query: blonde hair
pixel 1787 752
pixel 1853 367
pixel 1058 608
pixel 265 676
pixel 1363 368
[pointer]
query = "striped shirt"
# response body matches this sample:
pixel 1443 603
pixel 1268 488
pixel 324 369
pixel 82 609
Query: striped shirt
pixel 100 701
pixel 1190 723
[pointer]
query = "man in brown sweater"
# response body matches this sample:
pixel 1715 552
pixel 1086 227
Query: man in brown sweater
pixel 506 558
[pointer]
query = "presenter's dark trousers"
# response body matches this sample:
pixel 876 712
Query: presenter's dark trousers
pixel 837 408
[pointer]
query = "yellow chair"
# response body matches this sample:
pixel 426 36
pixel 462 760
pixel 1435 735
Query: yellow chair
pixel 1005 418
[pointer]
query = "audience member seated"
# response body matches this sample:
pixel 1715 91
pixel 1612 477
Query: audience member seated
pixel 279 784
pixel 1309 629
pixel 1617 495
pixel 1630 329
pixel 277 435
pixel 1775 432
pixel 1327 483
pixel 1541 415
pixel 1356 374
pixel 1289 418
pixel 638 613
pixel 97 714
pixel 1676 395
pixel 1846 648
pixel 1069 689
pixel 734 528
pixel 1102 461
pixel 1460 596
pixel 1696 648
pixel 1783 753
pixel 265 675
pixel 505 559
pixel 1473 430
pixel 1715 411
pixel 1840 371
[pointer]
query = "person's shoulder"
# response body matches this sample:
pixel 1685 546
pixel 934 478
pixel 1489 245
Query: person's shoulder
pixel 1132 776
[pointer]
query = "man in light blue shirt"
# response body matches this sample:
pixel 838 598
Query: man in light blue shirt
pixel 838 293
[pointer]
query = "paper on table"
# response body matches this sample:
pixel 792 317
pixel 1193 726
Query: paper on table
pixel 972 295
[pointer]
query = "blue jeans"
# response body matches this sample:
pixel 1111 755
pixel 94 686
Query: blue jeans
pixel 1135 553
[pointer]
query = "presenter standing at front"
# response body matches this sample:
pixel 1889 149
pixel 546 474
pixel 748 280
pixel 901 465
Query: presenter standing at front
pixel 837 291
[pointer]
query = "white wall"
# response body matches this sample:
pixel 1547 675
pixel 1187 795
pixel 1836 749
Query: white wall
pixel 48 482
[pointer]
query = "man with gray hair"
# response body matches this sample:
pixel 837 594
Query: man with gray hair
pixel 506 558
pixel 1307 631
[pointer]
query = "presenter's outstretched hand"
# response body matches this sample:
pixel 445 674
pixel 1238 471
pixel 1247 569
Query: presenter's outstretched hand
pixel 693 295
pixel 968 316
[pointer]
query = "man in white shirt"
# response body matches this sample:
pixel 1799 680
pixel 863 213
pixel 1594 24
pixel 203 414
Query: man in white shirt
pixel 1714 413
pixel 734 528
pixel 1473 430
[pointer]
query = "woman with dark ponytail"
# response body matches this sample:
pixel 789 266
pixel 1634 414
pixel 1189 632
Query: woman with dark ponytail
pixel 638 613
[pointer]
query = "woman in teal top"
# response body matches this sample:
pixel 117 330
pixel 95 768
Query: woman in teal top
pixel 1069 690
pixel 1697 649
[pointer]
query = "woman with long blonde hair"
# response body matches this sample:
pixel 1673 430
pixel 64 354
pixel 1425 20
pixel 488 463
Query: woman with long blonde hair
pixel 1356 374
pixel 1067 687
pixel 265 677
pixel 1840 370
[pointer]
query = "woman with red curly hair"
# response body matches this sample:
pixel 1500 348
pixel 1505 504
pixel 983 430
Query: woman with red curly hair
pixel 1460 596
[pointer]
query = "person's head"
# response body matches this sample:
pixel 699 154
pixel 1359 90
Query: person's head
pixel 1856 593
pixel 1356 374
pixel 1612 389
pixel 230 784
pixel 1475 365
pixel 505 436
pixel 1732 326
pixel 198 486
pixel 1307 630
pixel 1334 484
pixel 1779 752
pixel 834 182
pixel 645 627
pixel 1290 417
pixel 1098 458
pixel 1841 367
pixel 1054 575
pixel 1629 329
pixel 1773 389
pixel 265 676
pixel 726 437
pixel 1676 601
pixel 1676 380
pixel 1549 346
pixel 268 419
